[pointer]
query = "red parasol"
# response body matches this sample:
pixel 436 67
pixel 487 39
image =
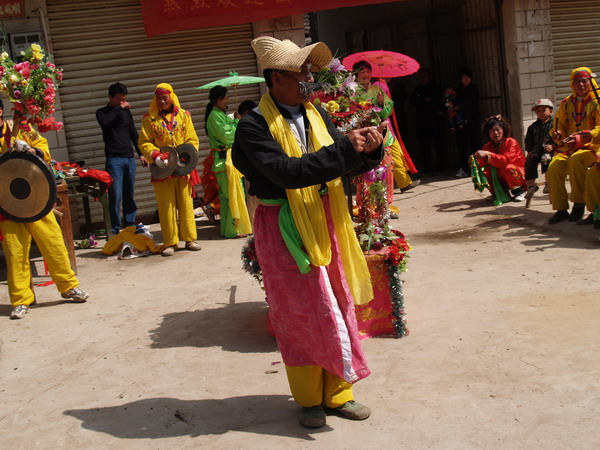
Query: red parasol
pixel 384 64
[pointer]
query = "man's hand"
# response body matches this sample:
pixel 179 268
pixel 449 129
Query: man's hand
pixel 367 139
pixel 22 146
pixel 144 161
pixel 557 136
pixel 162 161
pixel 125 105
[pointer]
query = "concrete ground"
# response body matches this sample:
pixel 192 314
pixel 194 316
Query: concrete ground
pixel 173 352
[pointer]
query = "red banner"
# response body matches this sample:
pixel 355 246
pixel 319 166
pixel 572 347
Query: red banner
pixel 11 9
pixel 166 16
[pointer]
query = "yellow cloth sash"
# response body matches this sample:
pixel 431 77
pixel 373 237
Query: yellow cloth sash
pixel 307 207
pixel 237 197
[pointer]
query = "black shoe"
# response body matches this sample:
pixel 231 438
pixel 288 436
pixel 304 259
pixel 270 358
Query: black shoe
pixel 559 216
pixel 589 220
pixel 414 184
pixel 576 212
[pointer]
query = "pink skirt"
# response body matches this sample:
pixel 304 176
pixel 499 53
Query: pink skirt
pixel 312 314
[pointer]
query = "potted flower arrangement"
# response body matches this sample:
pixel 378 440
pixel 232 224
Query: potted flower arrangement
pixel 31 86
pixel 386 249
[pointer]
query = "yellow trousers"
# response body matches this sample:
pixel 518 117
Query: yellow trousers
pixel 576 166
pixel 592 188
pixel 313 386
pixel 401 175
pixel 17 244
pixel 173 198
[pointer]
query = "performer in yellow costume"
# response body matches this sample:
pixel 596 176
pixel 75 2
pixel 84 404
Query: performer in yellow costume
pixel 167 124
pixel 577 112
pixel 16 238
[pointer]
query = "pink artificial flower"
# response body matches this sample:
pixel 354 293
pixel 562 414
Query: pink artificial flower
pixel 49 92
pixel 49 99
pixel 29 102
pixel 33 110
pixel 59 76
pixel 58 126
pixel 48 82
pixel 50 65
pixel 19 107
pixel 17 93
pixel 25 71
pixel 18 67
pixel 1 70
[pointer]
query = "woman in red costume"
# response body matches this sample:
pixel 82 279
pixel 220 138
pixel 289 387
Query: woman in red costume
pixel 503 153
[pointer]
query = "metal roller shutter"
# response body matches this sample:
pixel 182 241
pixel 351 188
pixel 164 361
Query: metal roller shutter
pixel 575 39
pixel 101 42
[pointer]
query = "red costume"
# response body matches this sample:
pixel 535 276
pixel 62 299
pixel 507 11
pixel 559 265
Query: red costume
pixel 509 161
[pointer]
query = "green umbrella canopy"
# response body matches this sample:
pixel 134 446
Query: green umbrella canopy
pixel 232 80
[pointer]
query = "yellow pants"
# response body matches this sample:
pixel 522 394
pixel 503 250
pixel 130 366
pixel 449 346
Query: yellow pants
pixel 400 172
pixel 312 386
pixel 576 166
pixel 173 196
pixel 592 188
pixel 16 246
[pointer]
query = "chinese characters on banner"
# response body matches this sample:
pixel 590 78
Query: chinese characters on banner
pixel 10 9
pixel 166 16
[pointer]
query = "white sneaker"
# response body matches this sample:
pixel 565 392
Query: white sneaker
pixel 193 246
pixel 19 312
pixel 461 173
pixel 169 251
pixel 520 198
pixel 76 294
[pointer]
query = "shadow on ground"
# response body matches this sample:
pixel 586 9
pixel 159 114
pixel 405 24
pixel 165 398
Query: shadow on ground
pixel 238 327
pixel 157 418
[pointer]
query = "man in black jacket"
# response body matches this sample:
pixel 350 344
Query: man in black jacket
pixel 312 266
pixel 120 138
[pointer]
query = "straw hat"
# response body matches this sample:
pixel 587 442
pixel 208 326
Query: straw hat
pixel 285 55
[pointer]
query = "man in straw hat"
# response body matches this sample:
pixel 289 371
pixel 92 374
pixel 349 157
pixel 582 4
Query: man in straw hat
pixel 313 268
pixel 576 116
pixel 16 236
pixel 167 124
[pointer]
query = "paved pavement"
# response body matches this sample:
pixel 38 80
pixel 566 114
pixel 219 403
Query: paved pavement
pixel 173 352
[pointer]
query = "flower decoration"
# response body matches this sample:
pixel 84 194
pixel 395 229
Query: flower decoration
pixel 31 86
pixel 250 260
pixel 339 97
pixel 89 242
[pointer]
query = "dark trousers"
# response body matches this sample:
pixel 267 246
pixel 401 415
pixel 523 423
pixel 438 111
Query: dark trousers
pixel 122 171
pixel 468 141
pixel 432 149
pixel 531 165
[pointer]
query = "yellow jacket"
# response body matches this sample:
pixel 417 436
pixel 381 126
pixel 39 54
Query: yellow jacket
pixel 155 134
pixel 568 120
pixel 32 137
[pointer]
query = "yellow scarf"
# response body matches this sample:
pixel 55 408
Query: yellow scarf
pixel 307 207
pixel 237 197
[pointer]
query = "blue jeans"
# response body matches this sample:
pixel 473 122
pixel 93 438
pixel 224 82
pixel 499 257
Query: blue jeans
pixel 122 170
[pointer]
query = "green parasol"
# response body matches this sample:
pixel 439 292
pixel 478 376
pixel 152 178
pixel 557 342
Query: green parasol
pixel 233 80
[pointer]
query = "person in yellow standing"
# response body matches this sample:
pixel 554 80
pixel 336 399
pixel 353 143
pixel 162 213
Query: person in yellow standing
pixel 220 128
pixel 577 112
pixel 16 236
pixel 167 124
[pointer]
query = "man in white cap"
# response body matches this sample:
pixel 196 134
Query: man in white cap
pixel 313 268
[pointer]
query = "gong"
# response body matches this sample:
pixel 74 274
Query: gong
pixel 27 187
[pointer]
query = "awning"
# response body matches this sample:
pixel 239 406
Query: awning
pixel 166 16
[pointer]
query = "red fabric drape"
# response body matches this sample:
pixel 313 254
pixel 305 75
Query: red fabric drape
pixel 166 16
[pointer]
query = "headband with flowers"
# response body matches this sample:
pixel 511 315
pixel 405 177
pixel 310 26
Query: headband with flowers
pixel 31 86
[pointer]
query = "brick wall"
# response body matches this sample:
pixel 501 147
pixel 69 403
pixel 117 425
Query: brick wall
pixel 534 54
